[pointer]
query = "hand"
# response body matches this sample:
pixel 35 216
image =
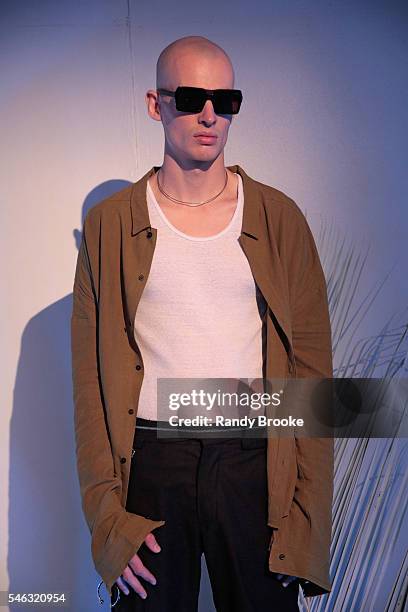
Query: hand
pixel 136 566
pixel 286 579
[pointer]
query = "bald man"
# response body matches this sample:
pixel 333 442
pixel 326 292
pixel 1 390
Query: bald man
pixel 200 315
pixel 193 170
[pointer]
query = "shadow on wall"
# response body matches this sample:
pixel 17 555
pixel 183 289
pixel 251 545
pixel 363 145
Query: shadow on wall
pixel 49 543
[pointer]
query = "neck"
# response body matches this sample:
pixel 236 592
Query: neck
pixel 192 183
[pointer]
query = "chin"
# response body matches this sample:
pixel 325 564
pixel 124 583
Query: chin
pixel 206 153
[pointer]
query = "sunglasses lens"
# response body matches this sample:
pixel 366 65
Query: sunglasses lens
pixel 192 100
pixel 189 100
pixel 227 103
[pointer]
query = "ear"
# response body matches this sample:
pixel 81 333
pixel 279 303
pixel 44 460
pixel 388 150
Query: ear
pixel 152 104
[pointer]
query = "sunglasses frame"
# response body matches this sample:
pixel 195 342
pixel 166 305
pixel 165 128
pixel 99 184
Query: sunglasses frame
pixel 210 94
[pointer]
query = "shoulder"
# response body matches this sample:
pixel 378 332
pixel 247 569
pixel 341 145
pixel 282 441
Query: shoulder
pixel 107 219
pixel 287 223
pixel 278 205
pixel 110 207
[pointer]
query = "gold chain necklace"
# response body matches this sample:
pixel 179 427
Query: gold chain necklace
pixel 193 204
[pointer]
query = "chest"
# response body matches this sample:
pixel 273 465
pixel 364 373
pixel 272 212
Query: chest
pixel 208 277
pixel 199 221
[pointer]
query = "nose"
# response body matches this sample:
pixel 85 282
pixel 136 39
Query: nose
pixel 207 115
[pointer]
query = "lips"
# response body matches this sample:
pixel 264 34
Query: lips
pixel 205 139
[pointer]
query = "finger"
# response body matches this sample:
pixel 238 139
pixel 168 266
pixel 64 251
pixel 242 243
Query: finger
pixel 152 543
pixel 122 586
pixel 137 566
pixel 131 579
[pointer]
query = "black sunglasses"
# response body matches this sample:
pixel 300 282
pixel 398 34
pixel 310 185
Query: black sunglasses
pixel 192 99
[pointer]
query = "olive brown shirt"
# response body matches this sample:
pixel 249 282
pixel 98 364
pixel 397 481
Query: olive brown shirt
pixel 112 268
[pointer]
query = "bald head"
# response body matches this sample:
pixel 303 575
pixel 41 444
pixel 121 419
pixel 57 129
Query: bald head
pixel 191 61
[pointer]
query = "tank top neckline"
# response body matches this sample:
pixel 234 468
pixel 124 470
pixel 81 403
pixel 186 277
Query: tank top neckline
pixel 226 229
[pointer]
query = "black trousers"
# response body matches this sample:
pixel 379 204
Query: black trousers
pixel 212 493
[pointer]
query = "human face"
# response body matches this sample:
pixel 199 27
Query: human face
pixel 182 129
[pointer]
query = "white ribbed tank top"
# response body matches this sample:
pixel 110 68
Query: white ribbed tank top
pixel 200 313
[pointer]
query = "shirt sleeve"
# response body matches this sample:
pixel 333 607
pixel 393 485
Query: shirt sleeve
pixel 312 346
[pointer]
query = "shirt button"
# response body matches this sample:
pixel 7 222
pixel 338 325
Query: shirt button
pixel 131 411
pixel 281 556
pixel 123 459
pixel 141 276
pixel 149 234
pixel 138 367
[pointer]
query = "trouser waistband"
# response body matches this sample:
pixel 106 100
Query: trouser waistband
pixel 152 424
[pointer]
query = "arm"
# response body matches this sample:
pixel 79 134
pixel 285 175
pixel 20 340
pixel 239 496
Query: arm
pixel 311 337
pixel 116 534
